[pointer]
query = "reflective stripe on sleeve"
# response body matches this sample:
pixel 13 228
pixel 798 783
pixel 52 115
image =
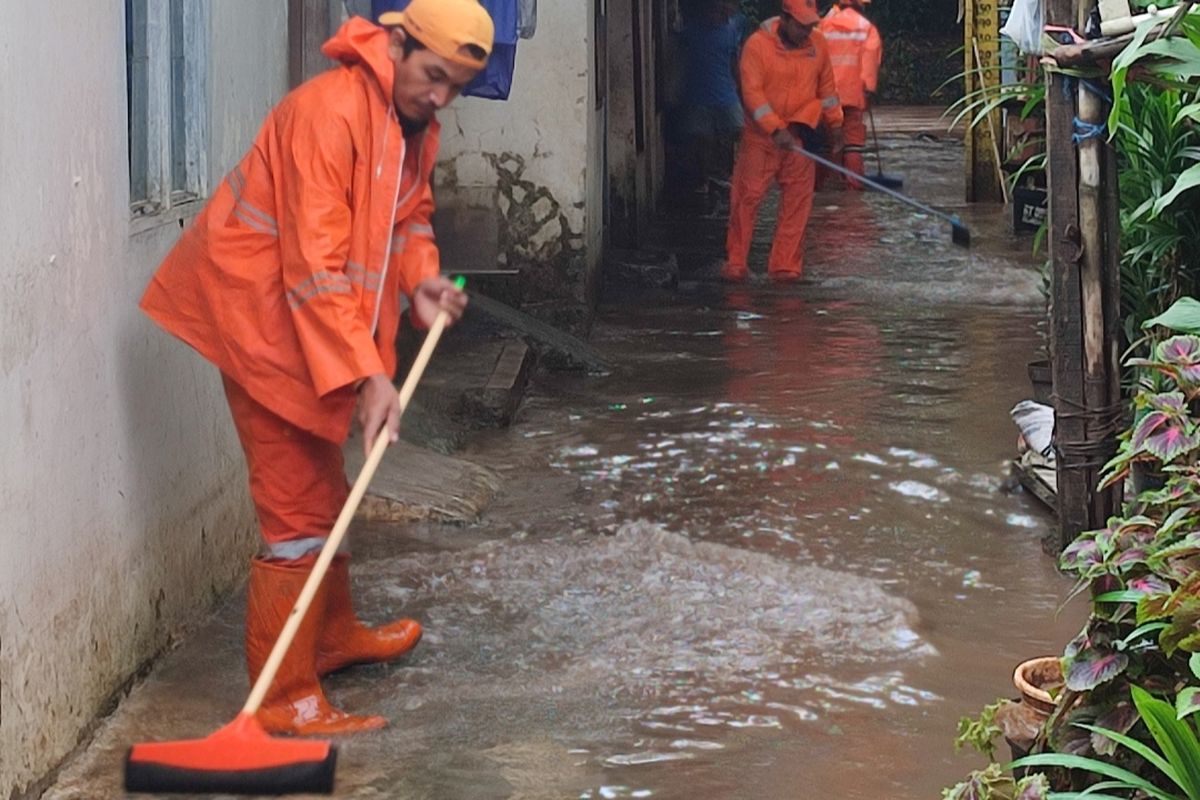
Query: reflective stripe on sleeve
pixel 322 282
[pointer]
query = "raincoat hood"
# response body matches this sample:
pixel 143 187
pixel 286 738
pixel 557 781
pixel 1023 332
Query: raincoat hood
pixel 359 41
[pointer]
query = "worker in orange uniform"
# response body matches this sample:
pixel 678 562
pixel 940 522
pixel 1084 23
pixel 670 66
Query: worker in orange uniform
pixel 289 282
pixel 787 90
pixel 856 52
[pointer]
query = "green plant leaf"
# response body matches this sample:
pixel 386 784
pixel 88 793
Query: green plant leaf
pixel 1194 663
pixel 990 783
pixel 1188 179
pixel 1179 560
pixel 1184 633
pixel 1149 585
pixel 1180 355
pixel 1141 748
pixel 1130 559
pixel 1153 608
pixel 1088 795
pixel 1093 667
pixel 981 731
pixel 1182 317
pixel 1032 787
pixel 1142 630
pixel 1190 111
pixel 1188 702
pixel 1166 431
pixel 1130 779
pixel 1127 596
pixel 1175 738
pixel 1118 719
pixel 1081 555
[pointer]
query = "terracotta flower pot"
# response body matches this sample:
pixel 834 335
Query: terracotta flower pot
pixel 1035 679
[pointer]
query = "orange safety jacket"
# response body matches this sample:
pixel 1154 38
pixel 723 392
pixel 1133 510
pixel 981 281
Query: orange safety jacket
pixel 289 280
pixel 782 85
pixel 856 52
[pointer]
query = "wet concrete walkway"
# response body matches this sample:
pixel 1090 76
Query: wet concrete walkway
pixel 770 556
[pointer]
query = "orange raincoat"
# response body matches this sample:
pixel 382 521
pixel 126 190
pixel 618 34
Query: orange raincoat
pixel 289 280
pixel 780 85
pixel 856 51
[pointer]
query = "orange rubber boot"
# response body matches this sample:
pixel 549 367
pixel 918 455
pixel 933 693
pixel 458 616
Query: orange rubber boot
pixel 344 641
pixel 295 703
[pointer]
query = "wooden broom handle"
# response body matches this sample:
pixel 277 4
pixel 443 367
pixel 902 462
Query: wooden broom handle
pixel 267 676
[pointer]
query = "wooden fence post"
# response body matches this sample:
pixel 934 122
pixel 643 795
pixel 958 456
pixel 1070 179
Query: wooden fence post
pixel 1085 293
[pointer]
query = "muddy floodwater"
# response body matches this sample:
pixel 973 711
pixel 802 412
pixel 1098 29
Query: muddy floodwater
pixel 773 554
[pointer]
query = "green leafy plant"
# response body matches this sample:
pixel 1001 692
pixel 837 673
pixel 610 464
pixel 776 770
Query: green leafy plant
pixel 1172 765
pixel 1142 573
pixel 1156 143
pixel 980 733
pixel 993 783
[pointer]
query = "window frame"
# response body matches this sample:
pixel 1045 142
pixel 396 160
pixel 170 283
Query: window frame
pixel 170 197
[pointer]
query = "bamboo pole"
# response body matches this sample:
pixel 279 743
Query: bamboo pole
pixel 1096 239
pixel 991 121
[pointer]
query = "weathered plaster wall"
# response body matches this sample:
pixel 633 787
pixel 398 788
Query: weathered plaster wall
pixel 523 170
pixel 120 478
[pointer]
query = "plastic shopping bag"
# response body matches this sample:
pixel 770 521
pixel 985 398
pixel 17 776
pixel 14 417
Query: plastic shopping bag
pixel 1024 26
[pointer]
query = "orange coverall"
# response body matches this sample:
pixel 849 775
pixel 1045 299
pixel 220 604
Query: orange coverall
pixel 289 280
pixel 856 51
pixel 780 86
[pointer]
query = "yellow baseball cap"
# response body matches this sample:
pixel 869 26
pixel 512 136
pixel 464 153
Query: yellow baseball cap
pixel 450 28
pixel 803 11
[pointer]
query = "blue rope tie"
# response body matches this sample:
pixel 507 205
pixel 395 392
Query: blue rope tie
pixel 1087 130
pixel 1098 90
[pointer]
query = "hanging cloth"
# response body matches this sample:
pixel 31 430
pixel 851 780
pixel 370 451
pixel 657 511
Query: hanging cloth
pixel 379 7
pixel 527 18
pixel 495 81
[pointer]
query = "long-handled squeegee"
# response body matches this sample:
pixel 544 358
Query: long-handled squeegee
pixel 959 233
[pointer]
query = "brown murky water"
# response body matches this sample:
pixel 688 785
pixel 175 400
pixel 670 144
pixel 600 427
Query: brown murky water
pixel 771 556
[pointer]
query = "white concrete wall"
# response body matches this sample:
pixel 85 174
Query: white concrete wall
pixel 596 168
pixel 532 158
pixel 121 482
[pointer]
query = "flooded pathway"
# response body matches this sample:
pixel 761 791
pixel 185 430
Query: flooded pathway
pixel 770 556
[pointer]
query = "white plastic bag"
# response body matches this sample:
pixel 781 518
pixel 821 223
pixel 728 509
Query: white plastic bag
pixel 1025 22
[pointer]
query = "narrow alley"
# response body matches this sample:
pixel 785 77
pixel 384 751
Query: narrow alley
pixel 775 552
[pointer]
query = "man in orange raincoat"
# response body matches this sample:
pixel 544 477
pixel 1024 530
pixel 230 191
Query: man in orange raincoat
pixel 856 51
pixel 787 91
pixel 289 282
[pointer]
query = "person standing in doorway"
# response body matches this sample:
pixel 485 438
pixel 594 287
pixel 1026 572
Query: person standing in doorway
pixel 289 281
pixel 856 51
pixel 788 89
pixel 710 111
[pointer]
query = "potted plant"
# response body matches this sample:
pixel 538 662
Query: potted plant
pixel 1039 680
